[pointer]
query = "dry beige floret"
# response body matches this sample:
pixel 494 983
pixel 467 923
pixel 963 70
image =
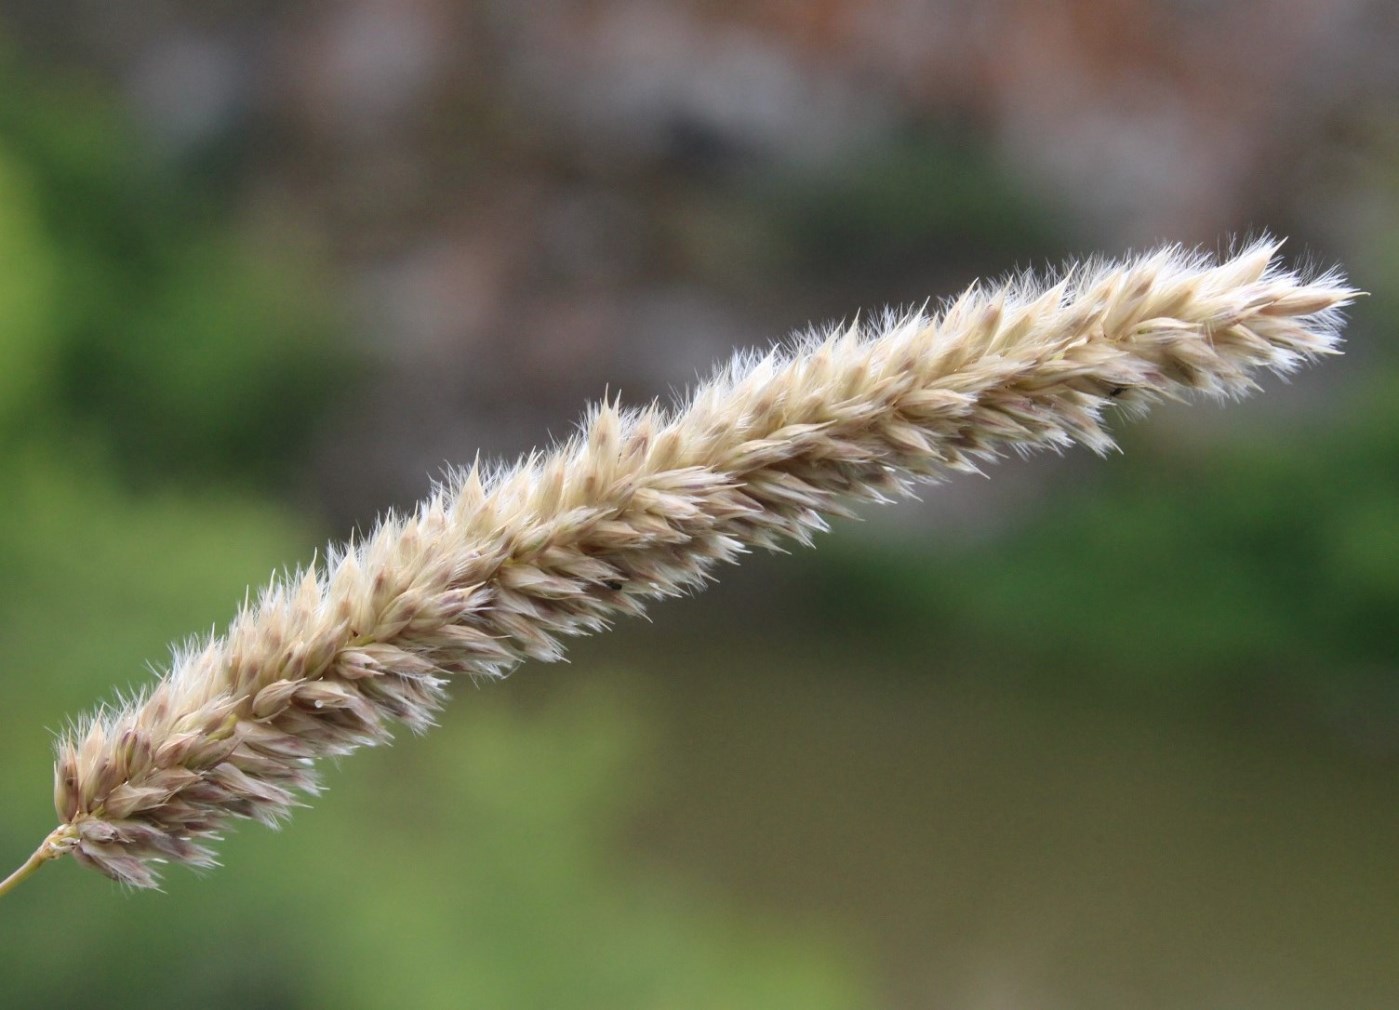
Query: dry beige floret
pixel 495 568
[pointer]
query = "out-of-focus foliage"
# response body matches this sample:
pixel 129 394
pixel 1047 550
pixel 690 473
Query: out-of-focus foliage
pixel 135 315
pixel 496 882
pixel 138 341
pixel 26 295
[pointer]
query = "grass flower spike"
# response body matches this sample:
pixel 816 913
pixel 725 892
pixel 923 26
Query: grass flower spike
pixel 498 567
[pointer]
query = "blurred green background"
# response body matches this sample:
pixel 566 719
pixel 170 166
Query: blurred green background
pixel 1095 733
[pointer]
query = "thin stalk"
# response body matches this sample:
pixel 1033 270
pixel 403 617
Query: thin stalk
pixel 59 841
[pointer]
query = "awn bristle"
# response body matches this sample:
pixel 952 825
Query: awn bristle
pixel 495 568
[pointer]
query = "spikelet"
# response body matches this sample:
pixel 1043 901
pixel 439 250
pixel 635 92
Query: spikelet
pixel 496 568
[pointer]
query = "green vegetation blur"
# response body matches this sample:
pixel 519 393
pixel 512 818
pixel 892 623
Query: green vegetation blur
pixel 161 377
pixel 157 376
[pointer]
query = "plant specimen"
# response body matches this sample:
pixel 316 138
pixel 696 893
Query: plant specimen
pixel 497 566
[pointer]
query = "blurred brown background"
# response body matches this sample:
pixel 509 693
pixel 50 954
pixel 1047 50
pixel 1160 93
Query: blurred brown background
pixel 1093 733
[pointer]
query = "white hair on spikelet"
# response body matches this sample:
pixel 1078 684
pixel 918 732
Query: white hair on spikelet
pixel 496 567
